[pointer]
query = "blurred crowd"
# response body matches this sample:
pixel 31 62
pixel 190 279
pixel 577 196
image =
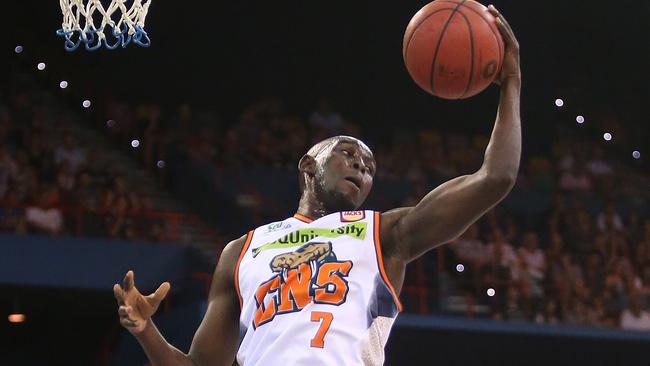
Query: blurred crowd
pixel 52 184
pixel 580 255
pixel 577 251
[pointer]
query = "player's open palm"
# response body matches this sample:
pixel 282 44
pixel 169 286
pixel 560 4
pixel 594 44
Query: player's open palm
pixel 135 309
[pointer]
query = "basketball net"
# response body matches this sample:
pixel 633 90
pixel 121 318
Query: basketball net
pixel 116 25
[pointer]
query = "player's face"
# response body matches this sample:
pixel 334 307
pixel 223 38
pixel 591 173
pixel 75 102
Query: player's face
pixel 347 175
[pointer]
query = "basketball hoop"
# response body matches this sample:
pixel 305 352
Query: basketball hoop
pixel 118 26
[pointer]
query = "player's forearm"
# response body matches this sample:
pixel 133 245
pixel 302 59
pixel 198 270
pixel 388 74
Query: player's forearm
pixel 159 352
pixel 502 155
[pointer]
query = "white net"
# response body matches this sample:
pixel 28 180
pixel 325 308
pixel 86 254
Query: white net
pixel 90 23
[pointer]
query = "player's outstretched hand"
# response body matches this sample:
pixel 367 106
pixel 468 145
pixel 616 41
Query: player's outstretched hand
pixel 135 309
pixel 510 68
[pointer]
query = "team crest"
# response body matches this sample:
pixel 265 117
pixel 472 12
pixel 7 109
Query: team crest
pixel 309 274
pixel 352 216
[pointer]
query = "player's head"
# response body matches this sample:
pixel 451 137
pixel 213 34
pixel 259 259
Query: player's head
pixel 338 172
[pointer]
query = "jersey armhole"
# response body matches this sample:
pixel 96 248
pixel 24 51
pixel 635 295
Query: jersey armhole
pixel 380 260
pixel 247 243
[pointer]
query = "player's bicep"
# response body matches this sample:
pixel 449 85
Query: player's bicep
pixel 217 338
pixel 444 213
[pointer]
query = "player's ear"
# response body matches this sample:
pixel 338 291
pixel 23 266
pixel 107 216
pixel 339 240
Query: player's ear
pixel 307 164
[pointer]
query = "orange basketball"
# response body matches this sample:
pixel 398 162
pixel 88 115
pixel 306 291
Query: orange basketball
pixel 453 48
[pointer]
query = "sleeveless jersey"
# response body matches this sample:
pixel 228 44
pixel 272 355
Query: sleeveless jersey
pixel 315 292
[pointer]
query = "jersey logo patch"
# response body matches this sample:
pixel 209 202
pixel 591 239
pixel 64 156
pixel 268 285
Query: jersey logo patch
pixel 305 235
pixel 310 274
pixel 352 216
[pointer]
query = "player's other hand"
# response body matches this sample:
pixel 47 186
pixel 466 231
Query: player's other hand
pixel 135 309
pixel 510 68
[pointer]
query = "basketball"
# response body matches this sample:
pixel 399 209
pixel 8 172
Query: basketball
pixel 453 48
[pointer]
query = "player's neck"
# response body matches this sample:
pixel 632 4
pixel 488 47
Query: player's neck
pixel 311 207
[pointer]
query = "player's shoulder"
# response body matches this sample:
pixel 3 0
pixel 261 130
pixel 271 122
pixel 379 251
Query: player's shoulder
pixel 233 248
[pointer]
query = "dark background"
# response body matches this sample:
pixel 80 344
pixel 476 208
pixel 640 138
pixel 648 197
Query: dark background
pixel 227 54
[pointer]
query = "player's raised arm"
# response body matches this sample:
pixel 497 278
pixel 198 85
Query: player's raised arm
pixel 215 341
pixel 444 213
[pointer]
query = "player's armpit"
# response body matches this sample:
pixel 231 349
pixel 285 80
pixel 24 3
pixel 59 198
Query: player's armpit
pixel 441 216
pixel 217 338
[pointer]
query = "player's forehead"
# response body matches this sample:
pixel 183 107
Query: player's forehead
pixel 355 143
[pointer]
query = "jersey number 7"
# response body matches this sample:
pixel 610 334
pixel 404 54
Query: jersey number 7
pixel 316 316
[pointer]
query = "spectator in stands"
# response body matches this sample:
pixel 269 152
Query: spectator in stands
pixel 549 313
pixel 575 179
pixel 609 220
pixel 635 316
pixel 499 272
pixel 534 266
pixel 325 117
pixel 8 170
pixel 116 202
pixel 69 152
pixel 66 180
pixel 579 229
pixel 642 253
pixel 45 217
pixel 598 166
pixel 470 249
pixel 500 249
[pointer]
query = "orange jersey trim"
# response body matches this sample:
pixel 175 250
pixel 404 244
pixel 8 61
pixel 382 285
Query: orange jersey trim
pixel 303 218
pixel 249 238
pixel 380 262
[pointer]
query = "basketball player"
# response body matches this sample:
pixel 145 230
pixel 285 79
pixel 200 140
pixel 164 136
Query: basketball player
pixel 320 288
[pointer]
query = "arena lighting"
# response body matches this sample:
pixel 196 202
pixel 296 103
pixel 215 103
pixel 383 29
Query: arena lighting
pixel 607 136
pixel 135 143
pixel 18 49
pixel 460 267
pixel 160 164
pixel 41 66
pixel 559 102
pixel 63 84
pixel 636 154
pixel 16 318
pixel 110 123
pixel 490 292
pixel 580 119
pixel 86 103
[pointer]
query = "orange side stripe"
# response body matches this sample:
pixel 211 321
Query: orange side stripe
pixel 380 261
pixel 303 218
pixel 249 238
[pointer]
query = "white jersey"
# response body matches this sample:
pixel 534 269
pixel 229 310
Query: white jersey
pixel 315 292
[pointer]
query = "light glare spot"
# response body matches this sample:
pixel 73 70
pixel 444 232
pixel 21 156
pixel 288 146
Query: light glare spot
pixel 559 102
pixel 110 123
pixel 490 292
pixel 86 103
pixel 63 84
pixel 580 119
pixel 41 66
pixel 460 267
pixel 18 49
pixel 135 143
pixel 160 164
pixel 16 318
pixel 607 136
pixel 636 154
